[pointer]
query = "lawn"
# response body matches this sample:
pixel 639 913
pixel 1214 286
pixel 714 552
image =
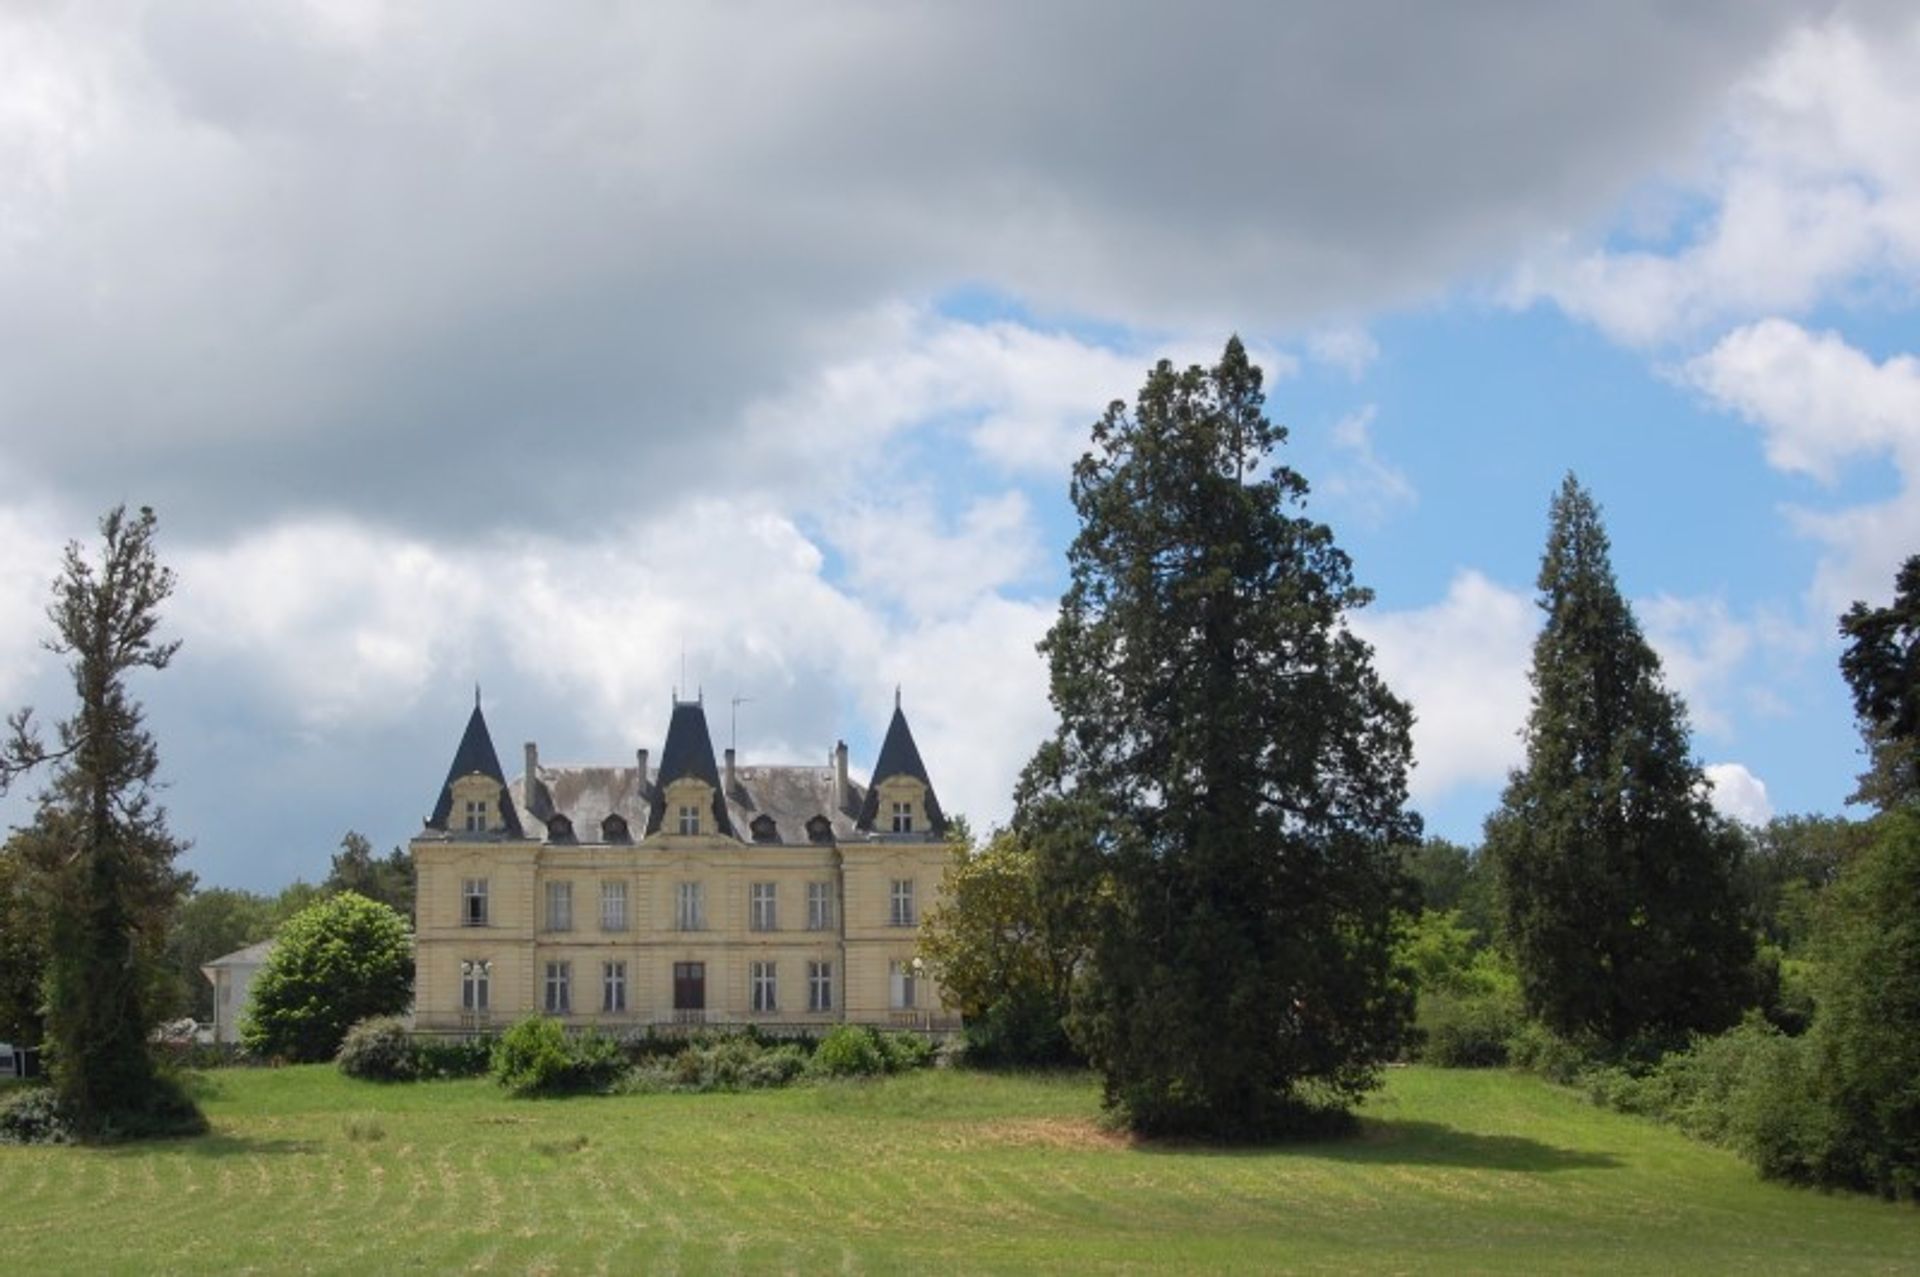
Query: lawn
pixel 945 1172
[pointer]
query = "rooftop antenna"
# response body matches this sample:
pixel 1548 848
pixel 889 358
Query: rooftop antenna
pixel 733 721
pixel 683 668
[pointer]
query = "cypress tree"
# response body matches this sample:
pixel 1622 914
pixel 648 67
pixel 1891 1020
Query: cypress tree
pixel 1616 877
pixel 1229 772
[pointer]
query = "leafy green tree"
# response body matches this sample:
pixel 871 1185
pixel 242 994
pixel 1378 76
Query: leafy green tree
pixel 1002 954
pixel 1882 667
pixel 332 965
pixel 1789 863
pixel 211 923
pixel 1229 771
pixel 1616 877
pixel 23 950
pixel 356 868
pixel 1865 1040
pixel 98 849
pixel 1451 878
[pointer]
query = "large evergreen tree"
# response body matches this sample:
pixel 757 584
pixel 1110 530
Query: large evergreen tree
pixel 1233 770
pixel 1617 880
pixel 98 848
pixel 1882 667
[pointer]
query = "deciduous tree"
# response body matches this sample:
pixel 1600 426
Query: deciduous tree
pixel 332 965
pixel 1882 667
pixel 1232 766
pixel 1616 878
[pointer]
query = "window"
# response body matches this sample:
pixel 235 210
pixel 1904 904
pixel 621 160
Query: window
pixel 689 820
pixel 476 817
pixel 613 906
pixel 901 914
pixel 690 913
pixel 819 906
pixel 689 986
pixel 476 974
pixel 903 977
pixel 765 997
pixel 613 986
pixel 473 896
pixel 819 986
pixel 559 990
pixel 760 915
pixel 903 818
pixel 559 906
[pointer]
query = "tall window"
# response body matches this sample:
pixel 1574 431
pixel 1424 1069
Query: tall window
pixel 689 986
pixel 613 986
pixel 689 820
pixel 901 913
pixel 559 906
pixel 903 983
pixel 819 986
pixel 477 817
pixel 760 916
pixel 613 906
pixel 476 974
pixel 765 997
pixel 473 902
pixel 903 818
pixel 819 906
pixel 690 913
pixel 559 988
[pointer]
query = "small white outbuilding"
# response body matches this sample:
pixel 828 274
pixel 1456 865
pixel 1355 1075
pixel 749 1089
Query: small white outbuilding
pixel 232 980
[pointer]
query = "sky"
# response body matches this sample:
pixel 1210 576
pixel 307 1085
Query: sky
pixel 598 354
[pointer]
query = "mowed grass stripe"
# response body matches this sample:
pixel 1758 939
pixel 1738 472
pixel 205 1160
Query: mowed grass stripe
pixel 309 1172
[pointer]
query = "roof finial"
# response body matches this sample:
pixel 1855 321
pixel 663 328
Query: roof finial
pixel 476 693
pixel 896 696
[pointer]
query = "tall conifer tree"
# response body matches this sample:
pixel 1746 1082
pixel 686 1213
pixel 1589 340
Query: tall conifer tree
pixel 100 856
pixel 1616 877
pixel 1234 764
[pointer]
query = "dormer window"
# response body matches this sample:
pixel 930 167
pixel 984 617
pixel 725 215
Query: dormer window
pixel 903 818
pixel 689 820
pixel 764 829
pixel 614 829
pixel 476 817
pixel 819 829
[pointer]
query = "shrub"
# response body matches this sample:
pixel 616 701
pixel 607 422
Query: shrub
pixel 333 965
pixel 849 1051
pixel 34 1117
pixel 900 1052
pixel 1538 1049
pixel 378 1050
pixel 537 1057
pixel 1467 1032
pixel 728 1062
pixel 452 1057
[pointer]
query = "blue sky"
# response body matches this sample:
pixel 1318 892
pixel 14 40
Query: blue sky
pixel 455 343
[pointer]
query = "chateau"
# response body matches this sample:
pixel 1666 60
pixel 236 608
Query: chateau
pixel 694 893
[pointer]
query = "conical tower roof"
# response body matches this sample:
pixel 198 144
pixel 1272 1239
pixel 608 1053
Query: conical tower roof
pixel 475 754
pixel 899 756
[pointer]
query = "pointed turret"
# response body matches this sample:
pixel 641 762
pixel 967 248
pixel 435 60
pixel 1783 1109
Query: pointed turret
pixel 688 755
pixel 476 757
pixel 903 778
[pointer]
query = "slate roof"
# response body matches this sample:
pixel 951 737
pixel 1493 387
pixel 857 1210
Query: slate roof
pixel 899 756
pixel 475 754
pixel 688 752
pixel 790 795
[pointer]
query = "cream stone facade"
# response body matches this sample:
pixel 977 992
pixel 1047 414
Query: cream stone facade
pixel 618 896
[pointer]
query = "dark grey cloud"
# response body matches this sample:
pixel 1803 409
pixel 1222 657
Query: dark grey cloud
pixel 461 265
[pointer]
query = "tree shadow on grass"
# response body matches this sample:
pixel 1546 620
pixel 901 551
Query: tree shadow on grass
pixel 1394 1142
pixel 219 1144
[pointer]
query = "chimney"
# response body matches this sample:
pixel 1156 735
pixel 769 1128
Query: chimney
pixel 640 757
pixel 730 780
pixel 842 796
pixel 528 784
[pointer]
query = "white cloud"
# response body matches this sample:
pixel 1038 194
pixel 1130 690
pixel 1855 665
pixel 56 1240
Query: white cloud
pixel 1703 650
pixel 1820 404
pixel 1363 484
pixel 1462 663
pixel 316 243
pixel 1350 349
pixel 1813 189
pixel 1738 794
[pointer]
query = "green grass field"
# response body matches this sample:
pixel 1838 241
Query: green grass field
pixel 945 1172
